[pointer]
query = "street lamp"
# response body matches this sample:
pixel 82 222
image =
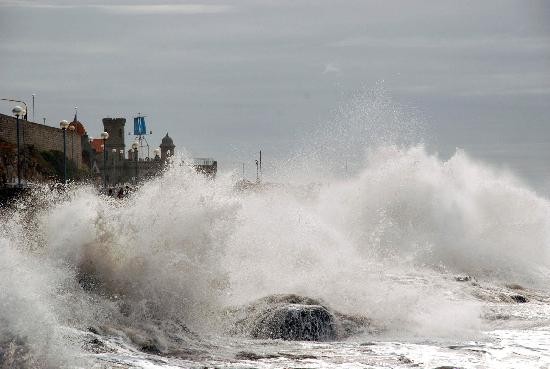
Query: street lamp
pixel 104 137
pixel 72 129
pixel 64 124
pixel 18 112
pixel 114 151
pixel 135 146
pixel 121 163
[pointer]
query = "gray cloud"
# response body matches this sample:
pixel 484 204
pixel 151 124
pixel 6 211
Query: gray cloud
pixel 165 9
pixel 225 78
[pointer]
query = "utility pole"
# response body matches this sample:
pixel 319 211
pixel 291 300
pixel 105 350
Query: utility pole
pixel 260 164
pixel 346 167
pixel 33 95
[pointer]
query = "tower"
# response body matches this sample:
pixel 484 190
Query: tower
pixel 166 145
pixel 115 128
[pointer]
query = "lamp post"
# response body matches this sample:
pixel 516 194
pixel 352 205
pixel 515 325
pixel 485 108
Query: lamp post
pixel 104 137
pixel 121 163
pixel 33 95
pixel 114 151
pixel 135 146
pixel 64 124
pixel 157 160
pixel 18 112
pixel 72 128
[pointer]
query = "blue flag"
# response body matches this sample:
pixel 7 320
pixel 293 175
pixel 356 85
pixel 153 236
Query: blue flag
pixel 139 126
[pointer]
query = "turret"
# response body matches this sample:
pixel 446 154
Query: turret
pixel 167 147
pixel 115 128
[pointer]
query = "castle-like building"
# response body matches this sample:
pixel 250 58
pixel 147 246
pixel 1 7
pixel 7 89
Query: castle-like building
pixel 107 160
pixel 110 158
pixel 117 167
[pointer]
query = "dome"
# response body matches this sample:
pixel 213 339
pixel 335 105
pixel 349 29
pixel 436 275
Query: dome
pixel 79 127
pixel 167 141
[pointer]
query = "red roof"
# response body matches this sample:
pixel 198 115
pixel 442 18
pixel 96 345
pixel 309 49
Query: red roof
pixel 97 144
pixel 80 130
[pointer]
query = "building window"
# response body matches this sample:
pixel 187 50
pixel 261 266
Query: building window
pixel 120 133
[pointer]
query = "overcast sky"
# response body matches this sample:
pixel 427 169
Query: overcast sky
pixel 227 77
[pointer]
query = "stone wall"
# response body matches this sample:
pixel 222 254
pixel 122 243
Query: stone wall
pixel 42 137
pixel 122 170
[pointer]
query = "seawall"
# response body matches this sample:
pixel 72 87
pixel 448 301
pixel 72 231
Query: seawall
pixel 41 136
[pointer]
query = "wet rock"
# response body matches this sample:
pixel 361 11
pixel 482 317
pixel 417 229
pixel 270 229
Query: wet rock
pixel 519 299
pixel 246 355
pixel 295 322
pixel 89 282
pixel 95 345
pixel 515 286
pixel 348 325
pixel 497 316
pixel 93 330
pixel 252 356
pixel 151 348
pixel 297 356
pixel 463 278
pixel 156 337
pixel 15 353
pixel 144 341
pixel 293 317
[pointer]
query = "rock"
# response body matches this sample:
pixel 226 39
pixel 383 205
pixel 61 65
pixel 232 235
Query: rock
pixel 405 360
pixel 463 278
pixel 295 322
pixel 252 356
pixel 16 353
pixel 96 346
pixel 248 355
pixel 519 299
pixel 150 348
pixel 93 330
pixel 293 317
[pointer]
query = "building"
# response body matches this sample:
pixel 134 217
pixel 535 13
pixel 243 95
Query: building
pixel 167 147
pixel 41 150
pixel 110 160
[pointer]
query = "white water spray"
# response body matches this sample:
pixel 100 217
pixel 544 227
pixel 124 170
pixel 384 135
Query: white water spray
pixel 383 243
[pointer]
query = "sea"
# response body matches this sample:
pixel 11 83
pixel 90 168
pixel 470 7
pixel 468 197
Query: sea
pixel 446 260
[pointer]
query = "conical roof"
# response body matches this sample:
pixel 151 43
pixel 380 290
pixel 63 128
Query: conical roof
pixel 79 127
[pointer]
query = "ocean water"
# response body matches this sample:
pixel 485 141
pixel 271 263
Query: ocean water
pixel 432 252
